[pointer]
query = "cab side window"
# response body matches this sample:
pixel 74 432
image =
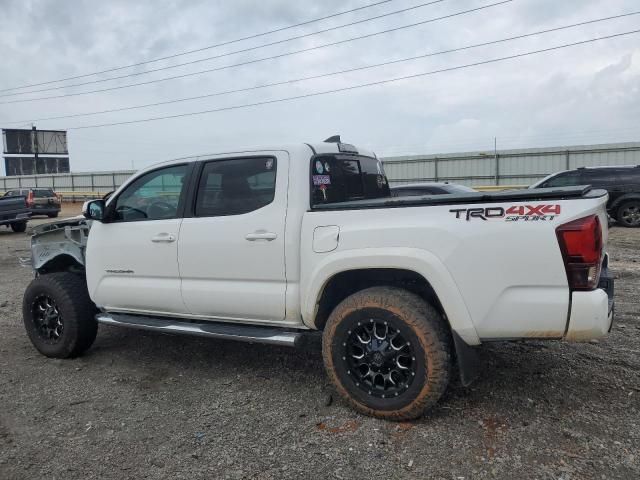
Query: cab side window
pixel 601 178
pixel 235 186
pixel 153 196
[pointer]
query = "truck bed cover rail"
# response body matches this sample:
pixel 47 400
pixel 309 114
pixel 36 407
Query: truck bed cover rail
pixel 565 193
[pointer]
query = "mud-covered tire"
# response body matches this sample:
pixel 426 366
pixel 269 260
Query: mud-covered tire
pixel 628 214
pixel 417 323
pixel 68 327
pixel 19 227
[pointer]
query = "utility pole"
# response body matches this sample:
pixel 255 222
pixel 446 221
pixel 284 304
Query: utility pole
pixel 495 156
pixel 35 148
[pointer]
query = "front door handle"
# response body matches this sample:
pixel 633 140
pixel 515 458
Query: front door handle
pixel 163 238
pixel 261 235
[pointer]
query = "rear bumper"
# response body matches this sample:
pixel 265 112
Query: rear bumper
pixel 45 210
pixel 592 312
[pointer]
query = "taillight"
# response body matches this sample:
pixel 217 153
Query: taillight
pixel 30 199
pixel 581 245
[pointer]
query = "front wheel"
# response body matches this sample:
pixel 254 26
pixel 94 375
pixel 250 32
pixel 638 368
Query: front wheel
pixel 19 227
pixel 388 353
pixel 628 214
pixel 59 315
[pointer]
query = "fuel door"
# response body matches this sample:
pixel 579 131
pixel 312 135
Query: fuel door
pixel 326 238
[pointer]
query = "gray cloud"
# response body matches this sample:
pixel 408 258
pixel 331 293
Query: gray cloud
pixel 587 94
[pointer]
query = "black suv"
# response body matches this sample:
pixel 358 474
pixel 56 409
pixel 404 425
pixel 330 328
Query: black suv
pixel 622 183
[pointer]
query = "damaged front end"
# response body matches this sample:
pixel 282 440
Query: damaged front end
pixel 60 246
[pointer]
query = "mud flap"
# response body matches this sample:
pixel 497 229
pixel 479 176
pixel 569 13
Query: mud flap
pixel 468 361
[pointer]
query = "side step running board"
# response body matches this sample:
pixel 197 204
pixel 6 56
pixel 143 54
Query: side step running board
pixel 243 333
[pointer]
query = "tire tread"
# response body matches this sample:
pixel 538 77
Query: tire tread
pixel 429 326
pixel 71 295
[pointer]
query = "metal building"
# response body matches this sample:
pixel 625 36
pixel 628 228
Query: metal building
pixel 506 167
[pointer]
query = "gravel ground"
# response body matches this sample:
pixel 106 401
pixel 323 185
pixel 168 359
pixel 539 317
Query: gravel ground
pixel 142 405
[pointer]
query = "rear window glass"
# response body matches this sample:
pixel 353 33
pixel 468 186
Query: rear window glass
pixel 43 193
pixel 341 178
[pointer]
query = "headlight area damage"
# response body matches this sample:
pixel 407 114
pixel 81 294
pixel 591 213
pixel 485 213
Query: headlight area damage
pixel 60 246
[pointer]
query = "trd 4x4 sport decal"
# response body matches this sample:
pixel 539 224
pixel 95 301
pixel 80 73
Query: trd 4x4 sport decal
pixel 514 213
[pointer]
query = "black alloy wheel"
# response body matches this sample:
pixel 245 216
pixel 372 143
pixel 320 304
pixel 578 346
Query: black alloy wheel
pixel 629 214
pixel 381 361
pixel 47 319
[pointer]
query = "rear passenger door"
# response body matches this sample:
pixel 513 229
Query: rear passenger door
pixel 232 247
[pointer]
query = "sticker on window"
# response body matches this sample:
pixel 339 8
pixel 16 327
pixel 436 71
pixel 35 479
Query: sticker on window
pixel 268 164
pixel 319 167
pixel 321 180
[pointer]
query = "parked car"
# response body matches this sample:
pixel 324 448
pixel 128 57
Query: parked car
pixel 41 201
pixel 622 183
pixel 278 244
pixel 14 212
pixel 429 188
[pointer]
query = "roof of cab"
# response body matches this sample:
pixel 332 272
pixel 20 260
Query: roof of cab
pixel 298 148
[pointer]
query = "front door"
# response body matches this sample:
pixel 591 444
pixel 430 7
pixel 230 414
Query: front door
pixel 231 252
pixel 132 258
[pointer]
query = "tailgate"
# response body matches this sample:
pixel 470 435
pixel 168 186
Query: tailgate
pixel 13 203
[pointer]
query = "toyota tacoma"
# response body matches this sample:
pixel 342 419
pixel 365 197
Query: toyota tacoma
pixel 276 245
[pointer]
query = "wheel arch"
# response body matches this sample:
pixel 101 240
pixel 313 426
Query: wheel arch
pixel 624 198
pixel 64 262
pixel 413 269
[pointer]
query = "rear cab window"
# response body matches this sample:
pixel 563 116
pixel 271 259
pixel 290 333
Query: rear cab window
pixel 43 193
pixel 342 178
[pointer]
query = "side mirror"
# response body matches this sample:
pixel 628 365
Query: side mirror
pixel 93 210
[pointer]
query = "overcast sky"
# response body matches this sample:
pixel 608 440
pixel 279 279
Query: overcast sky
pixel 580 95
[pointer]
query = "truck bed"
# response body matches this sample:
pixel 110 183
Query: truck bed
pixel 11 207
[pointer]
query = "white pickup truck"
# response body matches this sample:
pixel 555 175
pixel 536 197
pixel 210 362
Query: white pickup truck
pixel 272 245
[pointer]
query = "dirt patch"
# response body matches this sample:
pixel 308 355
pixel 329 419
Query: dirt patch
pixel 143 405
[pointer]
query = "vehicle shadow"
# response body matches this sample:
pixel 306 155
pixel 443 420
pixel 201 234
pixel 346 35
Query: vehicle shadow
pixel 518 375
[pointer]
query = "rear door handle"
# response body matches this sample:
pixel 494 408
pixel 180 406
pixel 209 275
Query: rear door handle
pixel 163 238
pixel 269 236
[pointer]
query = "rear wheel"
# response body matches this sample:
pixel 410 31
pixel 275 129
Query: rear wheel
pixel 59 315
pixel 52 215
pixel 19 227
pixel 628 214
pixel 388 353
